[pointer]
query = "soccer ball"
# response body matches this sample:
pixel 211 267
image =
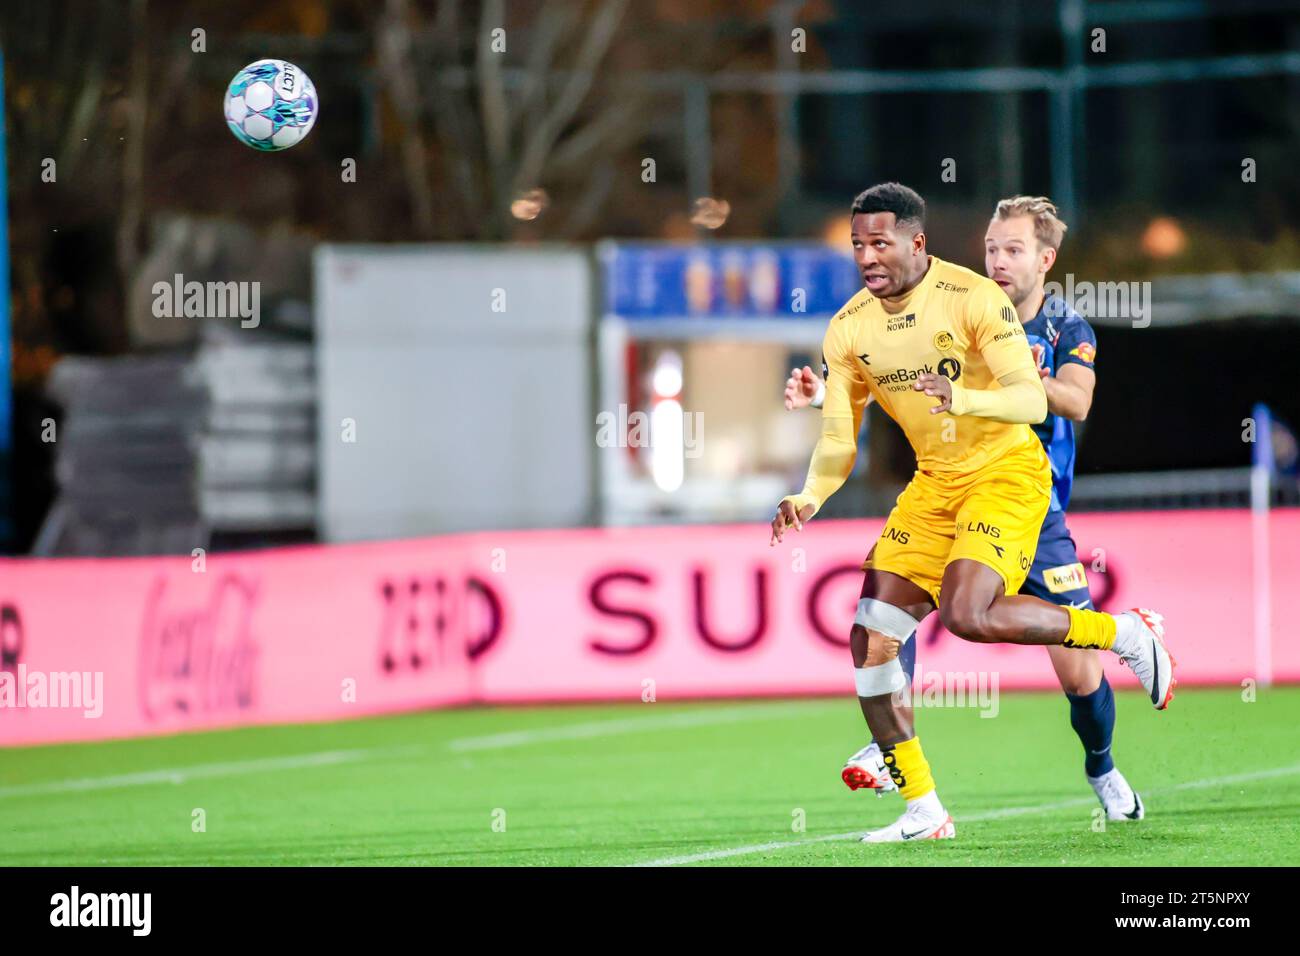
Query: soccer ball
pixel 270 105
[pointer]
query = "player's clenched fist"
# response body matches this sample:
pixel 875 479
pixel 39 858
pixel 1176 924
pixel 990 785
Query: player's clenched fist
pixel 788 516
pixel 938 387
pixel 800 388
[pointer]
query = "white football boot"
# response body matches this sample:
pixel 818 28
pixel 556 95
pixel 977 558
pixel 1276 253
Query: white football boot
pixel 1139 642
pixel 1117 797
pixel 866 769
pixel 924 819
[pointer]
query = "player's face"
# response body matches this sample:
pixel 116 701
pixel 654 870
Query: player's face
pixel 1012 257
pixel 889 259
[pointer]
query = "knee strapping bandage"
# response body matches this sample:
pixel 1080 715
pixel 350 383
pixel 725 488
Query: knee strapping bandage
pixel 894 623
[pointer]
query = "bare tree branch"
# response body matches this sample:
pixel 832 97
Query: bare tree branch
pixel 494 111
pixel 454 124
pixel 554 22
pixel 619 123
pixel 394 43
pixel 595 192
pixel 128 233
pixel 543 136
pixel 85 109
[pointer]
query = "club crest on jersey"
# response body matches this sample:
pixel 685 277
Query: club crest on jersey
pixel 1085 351
pixel 943 341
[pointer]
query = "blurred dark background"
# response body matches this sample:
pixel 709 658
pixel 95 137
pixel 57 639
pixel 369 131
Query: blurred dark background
pixel 1139 133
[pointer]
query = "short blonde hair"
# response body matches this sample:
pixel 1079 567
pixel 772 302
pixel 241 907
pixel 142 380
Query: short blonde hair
pixel 1049 230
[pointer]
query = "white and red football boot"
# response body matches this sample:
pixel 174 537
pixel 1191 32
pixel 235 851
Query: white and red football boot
pixel 924 819
pixel 866 770
pixel 1139 642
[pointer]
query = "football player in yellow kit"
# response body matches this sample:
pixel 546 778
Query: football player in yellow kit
pixel 941 348
pixel 1021 243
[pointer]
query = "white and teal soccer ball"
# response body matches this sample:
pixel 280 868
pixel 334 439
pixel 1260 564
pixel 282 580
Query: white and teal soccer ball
pixel 270 105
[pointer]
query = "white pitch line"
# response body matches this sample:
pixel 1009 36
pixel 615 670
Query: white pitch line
pixel 787 844
pixel 972 818
pixel 179 775
pixel 631 725
pixel 690 719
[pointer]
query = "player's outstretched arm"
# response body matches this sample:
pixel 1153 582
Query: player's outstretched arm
pixel 832 463
pixel 1069 392
pixel 837 449
pixel 1020 400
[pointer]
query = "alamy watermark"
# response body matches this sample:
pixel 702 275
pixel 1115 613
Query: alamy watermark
pixel 62 690
pixel 977 689
pixel 639 429
pixel 128 910
pixel 208 300
pixel 1103 300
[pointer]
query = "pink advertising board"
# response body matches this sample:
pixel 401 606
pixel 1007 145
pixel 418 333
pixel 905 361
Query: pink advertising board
pixel 327 633
pixel 265 637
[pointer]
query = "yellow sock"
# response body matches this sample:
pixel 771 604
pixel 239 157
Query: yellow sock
pixel 909 768
pixel 1090 629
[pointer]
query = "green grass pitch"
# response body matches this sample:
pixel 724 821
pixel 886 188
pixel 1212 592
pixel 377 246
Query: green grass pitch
pixel 723 783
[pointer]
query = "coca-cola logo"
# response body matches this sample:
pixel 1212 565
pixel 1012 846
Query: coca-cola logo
pixel 199 660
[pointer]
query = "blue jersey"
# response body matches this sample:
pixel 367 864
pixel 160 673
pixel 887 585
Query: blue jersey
pixel 1059 336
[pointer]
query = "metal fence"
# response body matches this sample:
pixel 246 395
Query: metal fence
pixel 1167 490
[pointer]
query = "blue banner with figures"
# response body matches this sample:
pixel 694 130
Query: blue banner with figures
pixel 725 280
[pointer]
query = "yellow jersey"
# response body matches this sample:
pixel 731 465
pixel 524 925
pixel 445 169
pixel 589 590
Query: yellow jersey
pixel 954 322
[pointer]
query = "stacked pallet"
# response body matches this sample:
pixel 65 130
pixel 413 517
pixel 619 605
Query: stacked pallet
pixel 257 452
pixel 158 454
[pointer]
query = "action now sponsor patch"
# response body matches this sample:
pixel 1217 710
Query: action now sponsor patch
pixel 1068 577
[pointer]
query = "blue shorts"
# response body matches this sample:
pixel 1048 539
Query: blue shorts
pixel 1057 575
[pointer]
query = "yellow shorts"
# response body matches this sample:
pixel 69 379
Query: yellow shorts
pixel 992 516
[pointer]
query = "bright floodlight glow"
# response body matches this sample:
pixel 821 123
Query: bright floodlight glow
pixel 667 455
pixel 667 378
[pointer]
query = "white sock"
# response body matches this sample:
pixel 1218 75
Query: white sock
pixel 1109 773
pixel 1127 631
pixel 928 805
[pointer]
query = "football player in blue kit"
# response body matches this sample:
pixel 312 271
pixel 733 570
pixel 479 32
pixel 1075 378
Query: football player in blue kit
pixel 1020 247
